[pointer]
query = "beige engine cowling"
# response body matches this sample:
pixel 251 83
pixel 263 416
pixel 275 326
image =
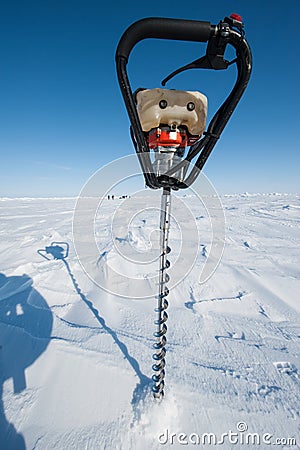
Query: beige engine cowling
pixel 175 113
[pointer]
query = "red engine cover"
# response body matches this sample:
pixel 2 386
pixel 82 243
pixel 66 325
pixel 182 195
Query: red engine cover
pixel 167 138
pixel 170 138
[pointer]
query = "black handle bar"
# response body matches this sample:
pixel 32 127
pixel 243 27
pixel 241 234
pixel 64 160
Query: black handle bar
pixel 229 31
pixel 161 28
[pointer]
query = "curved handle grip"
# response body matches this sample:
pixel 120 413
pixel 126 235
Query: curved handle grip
pixel 160 28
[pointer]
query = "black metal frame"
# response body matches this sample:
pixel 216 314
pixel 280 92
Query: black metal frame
pixel 228 31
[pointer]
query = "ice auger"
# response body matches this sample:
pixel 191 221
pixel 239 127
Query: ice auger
pixel 168 127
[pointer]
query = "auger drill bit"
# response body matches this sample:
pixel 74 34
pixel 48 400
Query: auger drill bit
pixel 162 304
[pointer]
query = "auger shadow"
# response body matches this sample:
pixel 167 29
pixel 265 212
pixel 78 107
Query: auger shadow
pixel 60 250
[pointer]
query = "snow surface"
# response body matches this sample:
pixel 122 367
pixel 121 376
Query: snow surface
pixel 76 360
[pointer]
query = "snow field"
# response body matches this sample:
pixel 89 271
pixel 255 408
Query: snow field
pixel 76 359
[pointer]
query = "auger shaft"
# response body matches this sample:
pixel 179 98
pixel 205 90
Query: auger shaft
pixel 162 305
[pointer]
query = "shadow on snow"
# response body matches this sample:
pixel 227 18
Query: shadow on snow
pixel 60 251
pixel 25 331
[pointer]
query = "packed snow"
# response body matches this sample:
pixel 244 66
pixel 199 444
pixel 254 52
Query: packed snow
pixel 76 342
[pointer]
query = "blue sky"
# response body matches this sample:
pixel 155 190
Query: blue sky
pixel 61 112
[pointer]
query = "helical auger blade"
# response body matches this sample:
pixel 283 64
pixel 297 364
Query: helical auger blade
pixel 162 316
